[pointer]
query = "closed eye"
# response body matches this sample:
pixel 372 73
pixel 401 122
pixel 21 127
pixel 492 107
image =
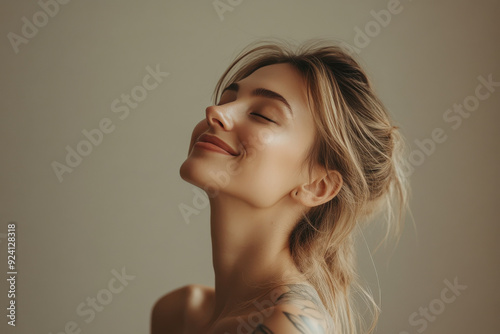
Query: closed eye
pixel 262 116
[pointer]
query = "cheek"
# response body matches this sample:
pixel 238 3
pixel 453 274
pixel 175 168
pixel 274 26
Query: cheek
pixel 272 170
pixel 266 184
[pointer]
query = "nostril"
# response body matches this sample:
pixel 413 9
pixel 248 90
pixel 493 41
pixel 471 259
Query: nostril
pixel 220 123
pixel 218 115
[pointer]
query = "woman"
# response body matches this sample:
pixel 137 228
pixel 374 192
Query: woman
pixel 294 154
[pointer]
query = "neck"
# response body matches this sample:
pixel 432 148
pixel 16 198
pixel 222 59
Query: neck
pixel 249 249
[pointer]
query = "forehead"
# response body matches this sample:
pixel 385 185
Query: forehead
pixel 283 79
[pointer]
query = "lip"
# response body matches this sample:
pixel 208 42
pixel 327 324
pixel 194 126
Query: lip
pixel 215 144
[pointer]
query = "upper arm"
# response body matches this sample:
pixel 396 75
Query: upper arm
pixel 290 320
pixel 184 307
pixel 168 312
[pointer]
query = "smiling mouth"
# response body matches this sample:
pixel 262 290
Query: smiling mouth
pixel 213 143
pixel 211 147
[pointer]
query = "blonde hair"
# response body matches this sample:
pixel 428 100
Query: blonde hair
pixel 355 136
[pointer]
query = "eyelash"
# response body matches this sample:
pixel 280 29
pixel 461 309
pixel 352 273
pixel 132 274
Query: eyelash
pixel 262 116
pixel 253 113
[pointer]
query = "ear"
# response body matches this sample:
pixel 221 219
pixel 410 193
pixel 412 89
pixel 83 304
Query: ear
pixel 324 186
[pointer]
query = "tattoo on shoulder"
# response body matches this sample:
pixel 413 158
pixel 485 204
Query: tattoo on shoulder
pixel 311 317
pixel 304 324
pixel 306 298
pixel 262 329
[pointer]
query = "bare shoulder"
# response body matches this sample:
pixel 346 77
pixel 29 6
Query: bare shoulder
pixel 297 309
pixel 185 306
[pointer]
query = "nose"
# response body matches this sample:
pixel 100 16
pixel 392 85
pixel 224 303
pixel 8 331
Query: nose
pixel 219 116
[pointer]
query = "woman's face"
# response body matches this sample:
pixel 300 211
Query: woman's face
pixel 253 143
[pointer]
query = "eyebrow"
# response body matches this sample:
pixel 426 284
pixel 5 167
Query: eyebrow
pixel 262 92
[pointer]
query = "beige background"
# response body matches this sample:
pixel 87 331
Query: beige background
pixel 120 207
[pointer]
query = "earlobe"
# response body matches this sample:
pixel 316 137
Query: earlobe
pixel 320 190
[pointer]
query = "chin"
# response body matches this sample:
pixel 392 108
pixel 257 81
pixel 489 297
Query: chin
pixel 196 173
pixel 187 173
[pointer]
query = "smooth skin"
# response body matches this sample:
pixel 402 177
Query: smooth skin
pixel 256 198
